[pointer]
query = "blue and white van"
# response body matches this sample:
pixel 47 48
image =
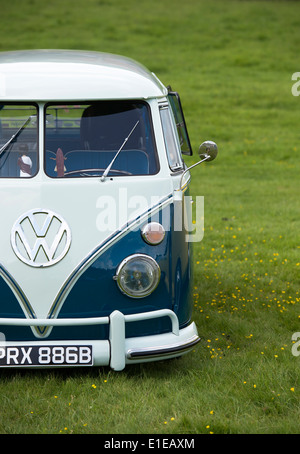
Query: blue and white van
pixel 95 260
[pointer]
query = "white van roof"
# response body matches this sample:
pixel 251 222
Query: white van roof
pixel 53 75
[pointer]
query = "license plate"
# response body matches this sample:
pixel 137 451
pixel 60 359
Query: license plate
pixel 46 355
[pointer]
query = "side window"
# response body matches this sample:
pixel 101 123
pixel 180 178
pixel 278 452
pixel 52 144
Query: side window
pixel 18 140
pixel 175 104
pixel 172 146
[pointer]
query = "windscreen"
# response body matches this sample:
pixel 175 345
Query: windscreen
pixel 82 140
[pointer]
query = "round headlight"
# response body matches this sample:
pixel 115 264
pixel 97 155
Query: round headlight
pixel 138 275
pixel 153 233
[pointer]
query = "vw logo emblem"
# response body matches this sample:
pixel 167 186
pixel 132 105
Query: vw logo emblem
pixel 40 238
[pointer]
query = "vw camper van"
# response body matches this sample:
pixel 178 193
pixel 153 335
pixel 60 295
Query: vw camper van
pixel 95 256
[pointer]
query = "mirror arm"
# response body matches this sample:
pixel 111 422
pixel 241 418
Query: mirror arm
pixel 189 168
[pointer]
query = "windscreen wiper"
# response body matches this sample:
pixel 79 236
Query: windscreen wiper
pixel 105 173
pixel 15 136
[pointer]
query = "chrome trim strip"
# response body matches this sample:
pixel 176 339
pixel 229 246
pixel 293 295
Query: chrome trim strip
pixel 150 352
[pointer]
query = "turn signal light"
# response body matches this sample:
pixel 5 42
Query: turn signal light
pixel 153 233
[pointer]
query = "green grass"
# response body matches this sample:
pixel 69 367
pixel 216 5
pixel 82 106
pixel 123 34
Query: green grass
pixel 232 63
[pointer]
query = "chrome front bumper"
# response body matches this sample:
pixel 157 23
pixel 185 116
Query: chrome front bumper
pixel 118 350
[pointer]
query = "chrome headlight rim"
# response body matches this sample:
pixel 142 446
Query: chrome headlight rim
pixel 142 257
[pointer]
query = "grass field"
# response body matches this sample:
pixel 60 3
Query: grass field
pixel 232 62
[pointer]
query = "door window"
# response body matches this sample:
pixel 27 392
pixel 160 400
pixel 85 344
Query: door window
pixel 171 144
pixel 184 140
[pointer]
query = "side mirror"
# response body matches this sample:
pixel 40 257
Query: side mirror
pixel 208 150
